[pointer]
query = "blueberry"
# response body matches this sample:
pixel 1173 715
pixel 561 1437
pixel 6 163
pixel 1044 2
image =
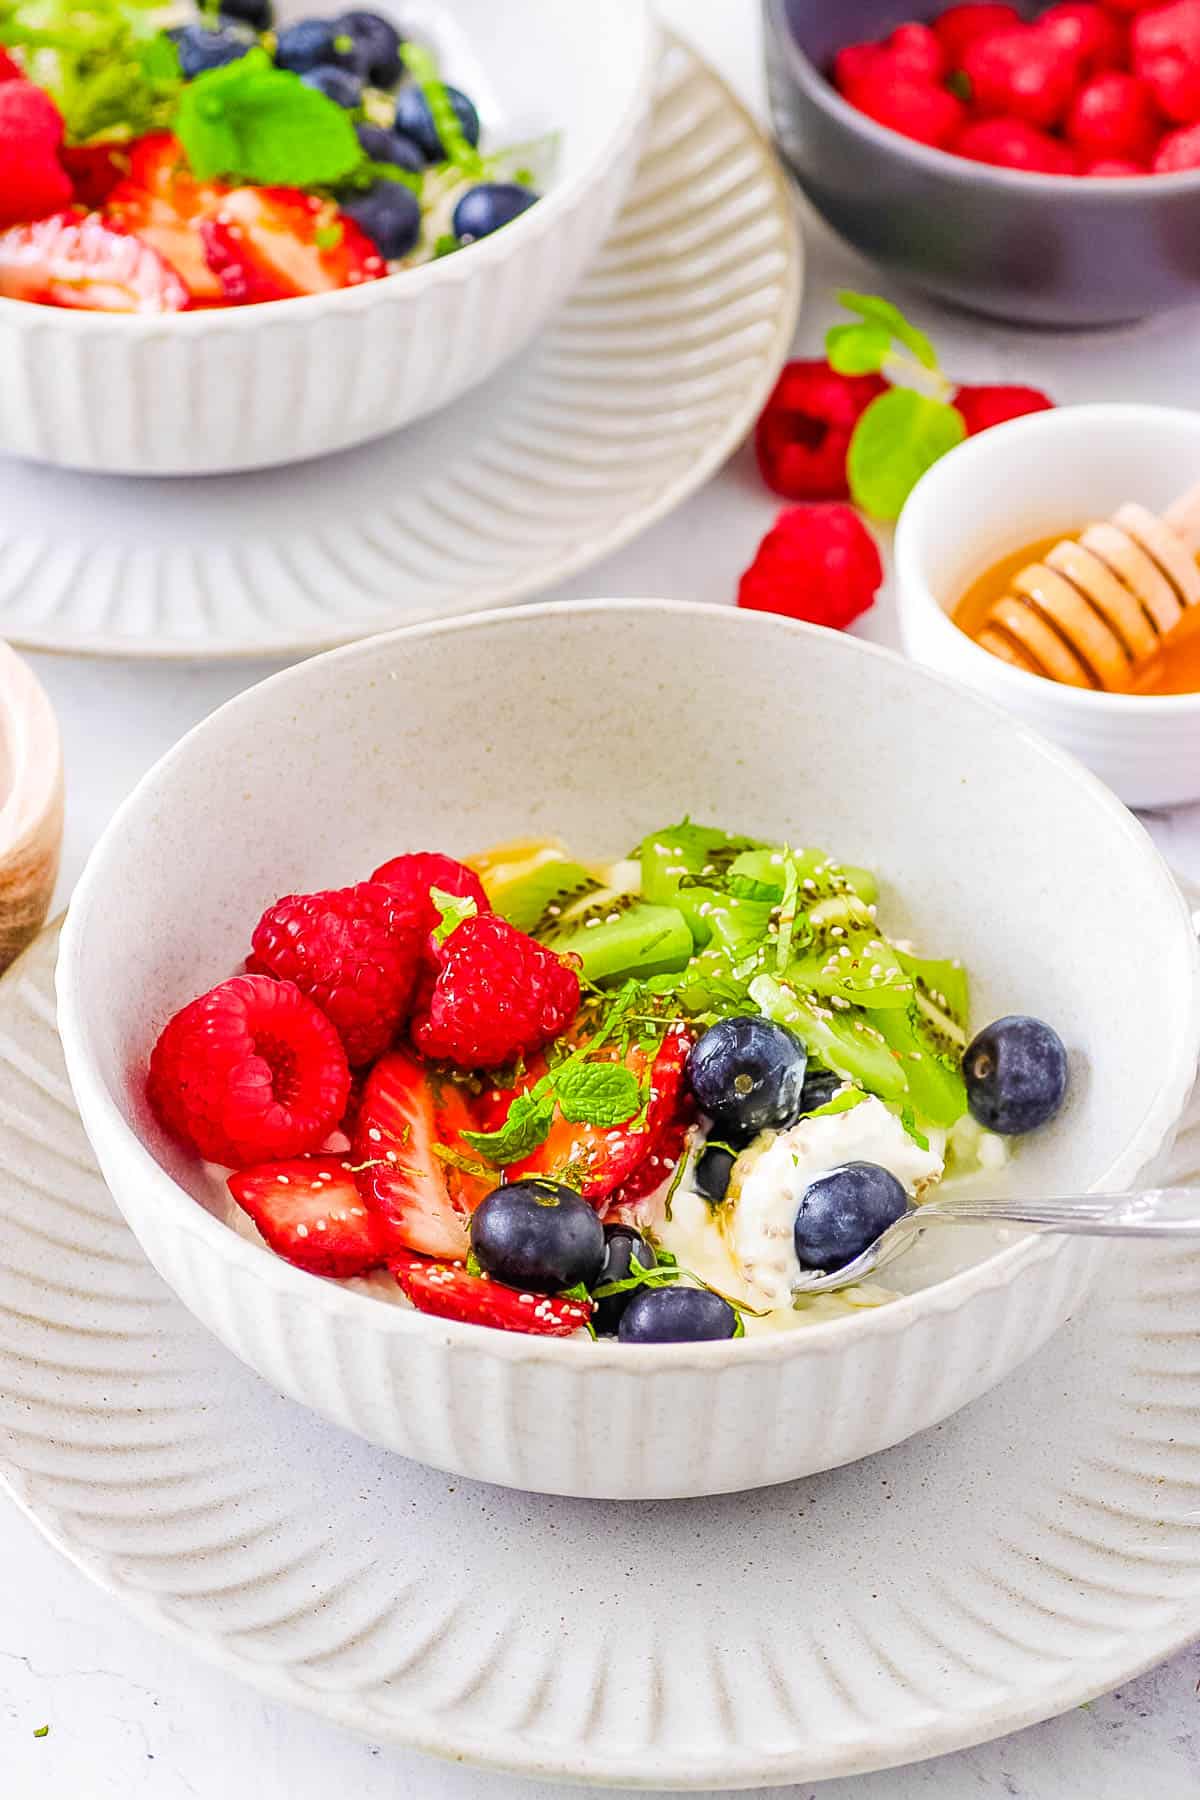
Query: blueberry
pixel 676 1315
pixel 383 146
pixel 414 120
pixel 714 1165
pixel 748 1076
pixel 538 1236
pixel 623 1247
pixel 1016 1075
pixel 486 208
pixel 390 214
pixel 844 1211
pixel 379 43
pixel 339 85
pixel 258 14
pixel 200 49
pixel 316 44
pixel 820 1085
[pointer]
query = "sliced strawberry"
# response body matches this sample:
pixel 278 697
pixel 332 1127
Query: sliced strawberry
pixel 277 243
pixel 424 1200
pixel 10 70
pixel 95 170
pixel 310 1212
pixel 161 200
pixel 87 263
pixel 596 1160
pixel 450 1293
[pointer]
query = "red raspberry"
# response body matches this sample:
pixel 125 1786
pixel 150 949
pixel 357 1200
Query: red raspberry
pixel 1130 6
pixel 982 407
pixel 1112 166
pixel 804 432
pixel 498 995
pixel 33 183
pixel 852 64
pixel 346 951
pixel 411 878
pixel 960 26
pixel 818 563
pixel 1166 53
pixel 250 1072
pixel 1012 144
pixel 1114 115
pixel 1088 32
pixel 1021 74
pixel 907 103
pixel 1178 151
pixel 918 50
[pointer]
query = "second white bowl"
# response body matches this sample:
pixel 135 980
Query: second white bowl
pixel 1052 472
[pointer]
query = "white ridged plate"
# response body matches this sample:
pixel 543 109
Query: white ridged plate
pixel 631 398
pixel 1032 1552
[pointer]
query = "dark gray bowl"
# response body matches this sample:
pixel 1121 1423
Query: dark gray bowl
pixel 1039 248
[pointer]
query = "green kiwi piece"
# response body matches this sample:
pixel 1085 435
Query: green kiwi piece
pixel 538 896
pixel 935 1085
pixel 618 935
pixel 942 995
pixel 819 876
pixel 675 862
pixel 867 975
pixel 848 1043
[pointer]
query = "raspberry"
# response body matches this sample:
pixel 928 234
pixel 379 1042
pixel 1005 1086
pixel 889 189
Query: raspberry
pixel 817 563
pixel 250 1072
pixel 1088 32
pixel 498 996
pixel 33 182
pixel 1130 6
pixel 804 432
pixel 1114 115
pixel 1022 74
pixel 916 108
pixel 852 64
pixel 1166 54
pixel 960 26
pixel 1178 151
pixel 918 50
pixel 982 407
pixel 1013 144
pixel 345 950
pixel 1113 166
pixel 411 878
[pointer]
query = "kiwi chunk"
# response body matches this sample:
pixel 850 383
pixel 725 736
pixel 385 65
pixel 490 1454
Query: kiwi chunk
pixel 616 935
pixel 848 1043
pixel 936 1090
pixel 537 895
pixel 941 994
pixel 679 862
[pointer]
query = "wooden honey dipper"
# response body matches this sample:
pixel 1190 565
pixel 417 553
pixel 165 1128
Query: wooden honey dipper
pixel 1093 610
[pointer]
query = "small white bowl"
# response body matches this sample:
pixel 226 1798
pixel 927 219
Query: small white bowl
pixel 31 804
pixel 210 392
pixel 599 721
pixel 1051 472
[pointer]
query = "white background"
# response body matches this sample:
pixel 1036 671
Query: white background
pixel 131 1716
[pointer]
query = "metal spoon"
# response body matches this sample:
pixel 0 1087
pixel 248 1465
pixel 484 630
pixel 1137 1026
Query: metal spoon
pixel 1158 1213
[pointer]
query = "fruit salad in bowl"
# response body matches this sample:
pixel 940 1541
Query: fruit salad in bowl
pixel 637 1100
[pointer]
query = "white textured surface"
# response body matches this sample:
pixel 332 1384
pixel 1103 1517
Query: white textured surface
pixel 634 393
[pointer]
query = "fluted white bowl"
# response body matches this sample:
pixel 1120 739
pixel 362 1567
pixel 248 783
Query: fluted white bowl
pixel 1025 481
pixel 230 388
pixel 600 720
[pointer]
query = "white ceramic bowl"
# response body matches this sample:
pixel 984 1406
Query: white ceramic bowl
pixel 1051 472
pixel 31 804
pixel 600 720
pixel 248 387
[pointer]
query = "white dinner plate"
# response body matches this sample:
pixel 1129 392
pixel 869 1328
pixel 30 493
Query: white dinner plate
pixel 637 391
pixel 1035 1550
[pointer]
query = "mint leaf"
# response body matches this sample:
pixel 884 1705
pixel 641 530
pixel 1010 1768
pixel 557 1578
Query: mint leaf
pixel 898 437
pixel 857 349
pixel 528 1124
pixel 252 122
pixel 454 908
pixel 882 313
pixel 596 1093
pixel 840 1103
pixel 445 245
pixel 423 70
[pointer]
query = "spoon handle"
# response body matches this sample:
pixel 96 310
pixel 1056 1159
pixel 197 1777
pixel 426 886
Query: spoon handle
pixel 1158 1212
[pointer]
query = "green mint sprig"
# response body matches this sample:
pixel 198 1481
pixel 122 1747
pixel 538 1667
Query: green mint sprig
pixel 905 431
pixel 423 69
pixel 108 67
pixel 250 121
pixel 454 910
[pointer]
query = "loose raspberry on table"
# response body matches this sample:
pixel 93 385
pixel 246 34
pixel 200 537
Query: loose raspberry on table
pixel 805 428
pixel 983 407
pixel 412 876
pixel 250 1072
pixel 498 995
pixel 818 563
pixel 351 952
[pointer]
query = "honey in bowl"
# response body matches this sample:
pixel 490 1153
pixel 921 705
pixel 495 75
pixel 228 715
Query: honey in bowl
pixel 1050 627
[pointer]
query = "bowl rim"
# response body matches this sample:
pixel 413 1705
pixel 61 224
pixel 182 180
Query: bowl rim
pixel 442 272
pixel 915 591
pixel 111 1134
pixel 942 162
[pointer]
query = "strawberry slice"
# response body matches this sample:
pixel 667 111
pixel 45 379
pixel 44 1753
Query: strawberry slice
pixel 310 1212
pixel 161 200
pixel 277 243
pixel 86 263
pixel 596 1160
pixel 424 1200
pixel 95 170
pixel 450 1293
